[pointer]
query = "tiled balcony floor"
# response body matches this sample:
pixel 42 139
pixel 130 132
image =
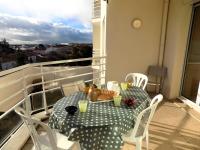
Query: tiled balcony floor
pixel 172 128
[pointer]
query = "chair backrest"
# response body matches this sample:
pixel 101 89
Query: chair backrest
pixel 31 125
pixel 138 79
pixel 145 117
pixel 69 88
pixel 157 71
pixel 157 75
pixel 81 85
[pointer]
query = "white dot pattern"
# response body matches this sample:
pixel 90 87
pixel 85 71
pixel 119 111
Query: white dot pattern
pixel 103 123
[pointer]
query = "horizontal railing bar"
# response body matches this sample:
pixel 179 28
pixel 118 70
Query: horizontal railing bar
pixel 52 89
pixel 35 110
pixel 32 85
pixel 65 61
pixel 6 72
pixel 12 70
pixel 69 77
pixel 50 72
pixel 11 109
pixel 92 79
pixel 62 70
pixel 35 93
pixel 40 92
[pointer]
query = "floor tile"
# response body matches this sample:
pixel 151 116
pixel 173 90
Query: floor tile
pixel 172 128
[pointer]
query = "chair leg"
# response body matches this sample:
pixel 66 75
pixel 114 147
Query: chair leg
pixel 147 139
pixel 139 144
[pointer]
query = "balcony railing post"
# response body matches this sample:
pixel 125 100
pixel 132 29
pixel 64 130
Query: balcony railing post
pixel 26 97
pixel 43 92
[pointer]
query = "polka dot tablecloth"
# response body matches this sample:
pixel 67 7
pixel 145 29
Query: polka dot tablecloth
pixel 99 128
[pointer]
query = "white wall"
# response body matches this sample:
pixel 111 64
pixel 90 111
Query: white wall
pixel 96 37
pixel 176 42
pixel 130 50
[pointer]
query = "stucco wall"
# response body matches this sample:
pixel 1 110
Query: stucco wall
pixel 128 49
pixel 96 38
pixel 176 43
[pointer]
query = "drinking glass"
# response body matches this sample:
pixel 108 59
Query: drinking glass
pixel 83 105
pixel 111 85
pixel 124 85
pixel 117 100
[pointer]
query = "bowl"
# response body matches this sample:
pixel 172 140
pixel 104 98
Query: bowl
pixel 130 102
pixel 71 109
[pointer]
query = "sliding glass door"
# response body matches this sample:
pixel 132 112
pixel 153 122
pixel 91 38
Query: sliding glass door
pixel 191 81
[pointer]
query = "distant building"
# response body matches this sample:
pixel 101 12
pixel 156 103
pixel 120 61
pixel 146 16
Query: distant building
pixel 27 47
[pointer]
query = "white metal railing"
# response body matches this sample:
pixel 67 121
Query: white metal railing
pixel 42 67
pixel 58 71
pixel 96 11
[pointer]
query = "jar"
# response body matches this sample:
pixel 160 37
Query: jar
pixel 93 93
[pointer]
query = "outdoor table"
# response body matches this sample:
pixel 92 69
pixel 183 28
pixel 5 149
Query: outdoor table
pixel 101 127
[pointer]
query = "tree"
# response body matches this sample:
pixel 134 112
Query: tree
pixel 21 58
pixel 40 47
pixel 5 47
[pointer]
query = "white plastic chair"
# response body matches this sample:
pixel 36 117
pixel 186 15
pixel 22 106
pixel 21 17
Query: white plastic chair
pixel 48 140
pixel 69 88
pixel 138 79
pixel 140 130
pixel 157 75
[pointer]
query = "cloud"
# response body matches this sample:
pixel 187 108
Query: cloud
pixel 27 30
pixel 46 10
pixel 45 21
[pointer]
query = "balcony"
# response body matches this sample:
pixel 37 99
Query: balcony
pixel 129 49
pixel 37 87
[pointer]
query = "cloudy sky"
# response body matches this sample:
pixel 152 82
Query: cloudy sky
pixel 45 21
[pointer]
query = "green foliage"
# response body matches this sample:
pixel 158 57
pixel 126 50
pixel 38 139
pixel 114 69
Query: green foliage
pixel 21 58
